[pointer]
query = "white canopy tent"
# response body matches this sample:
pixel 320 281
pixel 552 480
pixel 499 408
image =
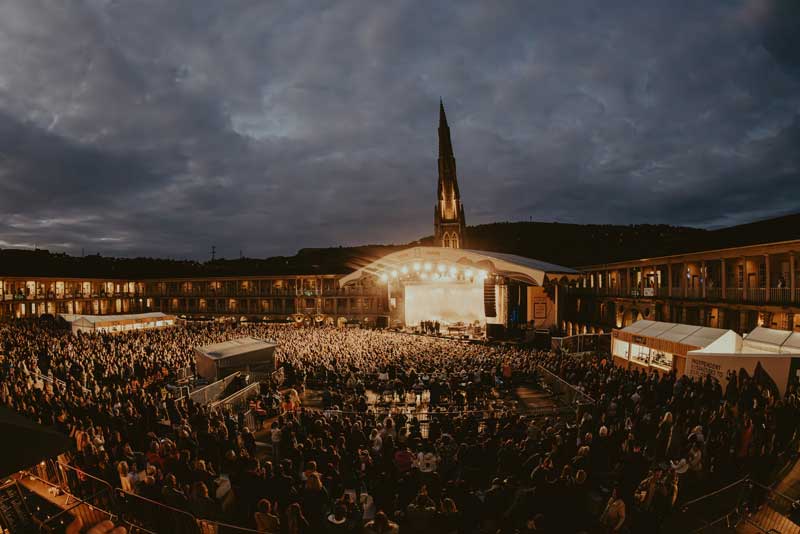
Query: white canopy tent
pixel 117 323
pixel 766 340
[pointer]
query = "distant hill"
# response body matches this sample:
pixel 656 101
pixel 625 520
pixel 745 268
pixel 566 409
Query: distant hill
pixel 339 260
pixel 575 245
pixel 572 245
pixel 579 244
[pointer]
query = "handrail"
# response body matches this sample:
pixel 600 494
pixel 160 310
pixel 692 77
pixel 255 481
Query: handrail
pixel 588 399
pixel 84 473
pixel 197 391
pixel 78 500
pixel 49 379
pixel 687 504
pixel 227 526
pixel 159 504
pixel 233 397
pixel 776 492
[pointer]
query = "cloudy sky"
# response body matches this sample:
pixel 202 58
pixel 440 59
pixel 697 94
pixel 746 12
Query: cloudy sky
pixel 162 127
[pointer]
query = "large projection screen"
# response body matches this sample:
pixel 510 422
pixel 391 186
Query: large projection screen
pixel 446 302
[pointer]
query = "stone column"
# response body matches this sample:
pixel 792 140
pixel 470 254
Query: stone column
pixel 703 277
pixel 767 278
pixel 744 280
pixel 630 280
pixel 669 276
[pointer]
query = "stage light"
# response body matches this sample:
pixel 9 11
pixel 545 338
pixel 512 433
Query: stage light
pixel 440 267
pixel 404 269
pixel 417 266
pixel 453 271
pixel 468 273
pixel 384 277
pixel 394 274
pixel 428 266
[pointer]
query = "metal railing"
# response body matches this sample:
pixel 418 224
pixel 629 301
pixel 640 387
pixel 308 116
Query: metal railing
pixel 94 500
pixel 582 343
pixel 210 393
pixel 240 400
pixel 216 527
pixel 155 516
pixel 85 486
pixel 743 502
pixel 564 391
pixel 780 295
pixel 89 503
pixel 755 295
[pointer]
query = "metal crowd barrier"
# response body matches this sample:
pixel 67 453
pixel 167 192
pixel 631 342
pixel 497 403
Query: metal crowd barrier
pixel 240 400
pixel 583 343
pixel 568 393
pixel 94 500
pixel 91 507
pixel 210 393
pixel 85 486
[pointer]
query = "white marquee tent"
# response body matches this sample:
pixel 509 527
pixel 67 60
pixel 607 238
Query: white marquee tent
pixel 117 323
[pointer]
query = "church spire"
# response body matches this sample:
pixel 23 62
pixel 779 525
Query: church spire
pixel 449 213
pixel 445 145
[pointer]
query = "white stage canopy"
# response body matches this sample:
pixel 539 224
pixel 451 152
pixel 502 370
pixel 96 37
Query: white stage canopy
pixel 515 267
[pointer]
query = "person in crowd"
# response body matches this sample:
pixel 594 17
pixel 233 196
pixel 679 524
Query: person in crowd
pixel 296 522
pixel 381 525
pixel 613 518
pixel 266 517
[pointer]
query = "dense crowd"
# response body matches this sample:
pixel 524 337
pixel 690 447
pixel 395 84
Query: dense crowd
pixel 461 461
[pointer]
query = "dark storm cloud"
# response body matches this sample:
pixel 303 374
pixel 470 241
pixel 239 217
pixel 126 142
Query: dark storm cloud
pixel 162 128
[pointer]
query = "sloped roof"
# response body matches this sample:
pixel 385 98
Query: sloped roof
pixel 120 318
pixel 697 336
pixel 792 344
pixel 517 267
pixel 234 347
pixel 766 340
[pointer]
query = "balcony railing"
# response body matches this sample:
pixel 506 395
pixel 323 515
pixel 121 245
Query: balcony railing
pixel 756 295
pixel 779 296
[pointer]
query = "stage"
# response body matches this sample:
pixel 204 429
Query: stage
pixel 466 293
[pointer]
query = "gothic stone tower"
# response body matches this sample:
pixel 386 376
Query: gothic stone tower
pixel 448 215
